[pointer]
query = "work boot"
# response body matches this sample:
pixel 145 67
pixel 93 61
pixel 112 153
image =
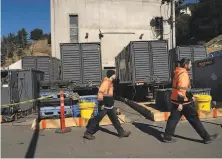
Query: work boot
pixel 125 134
pixel 211 138
pixel 88 136
pixel 167 139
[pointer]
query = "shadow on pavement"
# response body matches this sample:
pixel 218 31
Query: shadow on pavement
pixel 33 143
pixel 149 129
pixel 211 123
pixel 108 131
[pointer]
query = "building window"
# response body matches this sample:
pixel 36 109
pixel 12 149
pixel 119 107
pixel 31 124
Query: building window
pixel 73 23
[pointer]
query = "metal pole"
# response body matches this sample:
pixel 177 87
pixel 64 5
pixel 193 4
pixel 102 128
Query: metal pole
pixel 173 37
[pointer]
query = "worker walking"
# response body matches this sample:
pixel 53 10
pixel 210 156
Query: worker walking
pixel 182 104
pixel 105 98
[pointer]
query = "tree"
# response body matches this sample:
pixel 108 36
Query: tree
pixel 45 36
pixel 3 47
pixel 182 29
pixel 182 23
pixel 36 34
pixel 49 38
pixel 13 44
pixel 206 20
pixel 22 37
pixel 9 44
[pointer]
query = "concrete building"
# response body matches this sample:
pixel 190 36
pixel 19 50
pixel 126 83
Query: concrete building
pixel 119 21
pixel 186 11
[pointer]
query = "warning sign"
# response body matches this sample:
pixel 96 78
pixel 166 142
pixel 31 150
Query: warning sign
pixel 205 63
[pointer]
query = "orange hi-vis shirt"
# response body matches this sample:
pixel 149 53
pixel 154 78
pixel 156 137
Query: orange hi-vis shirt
pixel 106 88
pixel 181 83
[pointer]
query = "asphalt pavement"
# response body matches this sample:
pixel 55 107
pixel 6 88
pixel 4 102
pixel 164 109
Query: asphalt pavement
pixel 19 141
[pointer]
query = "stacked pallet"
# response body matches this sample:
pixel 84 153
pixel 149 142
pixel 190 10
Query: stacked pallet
pixel 49 109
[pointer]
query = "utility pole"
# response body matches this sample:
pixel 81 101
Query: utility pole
pixel 173 22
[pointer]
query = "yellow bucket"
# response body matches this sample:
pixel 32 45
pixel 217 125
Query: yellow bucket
pixel 203 102
pixel 86 109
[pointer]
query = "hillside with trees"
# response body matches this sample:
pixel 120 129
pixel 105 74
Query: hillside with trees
pixel 15 46
pixel 204 24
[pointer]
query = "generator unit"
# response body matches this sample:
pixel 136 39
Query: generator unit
pixel 9 91
pixel 47 64
pixel 143 62
pixel 141 67
pixel 193 52
pixel 19 86
pixel 207 73
pixel 81 63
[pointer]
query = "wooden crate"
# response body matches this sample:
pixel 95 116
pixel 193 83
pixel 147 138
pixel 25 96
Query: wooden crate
pixel 155 115
pixel 72 122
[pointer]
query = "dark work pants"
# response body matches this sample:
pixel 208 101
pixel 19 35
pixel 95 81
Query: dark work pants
pixel 191 115
pixel 93 124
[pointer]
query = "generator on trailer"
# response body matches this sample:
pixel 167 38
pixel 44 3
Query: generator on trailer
pixel 142 66
pixel 81 63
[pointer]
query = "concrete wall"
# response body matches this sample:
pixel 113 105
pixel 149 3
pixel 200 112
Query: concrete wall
pixel 133 16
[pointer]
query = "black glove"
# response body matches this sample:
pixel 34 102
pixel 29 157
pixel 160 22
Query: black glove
pixel 180 98
pixel 189 95
pixel 100 104
pixel 108 101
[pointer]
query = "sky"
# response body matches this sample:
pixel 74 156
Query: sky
pixel 28 14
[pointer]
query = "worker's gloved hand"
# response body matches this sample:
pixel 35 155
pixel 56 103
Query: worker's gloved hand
pixel 180 98
pixel 108 101
pixel 193 101
pixel 100 105
pixel 180 107
pixel 189 95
